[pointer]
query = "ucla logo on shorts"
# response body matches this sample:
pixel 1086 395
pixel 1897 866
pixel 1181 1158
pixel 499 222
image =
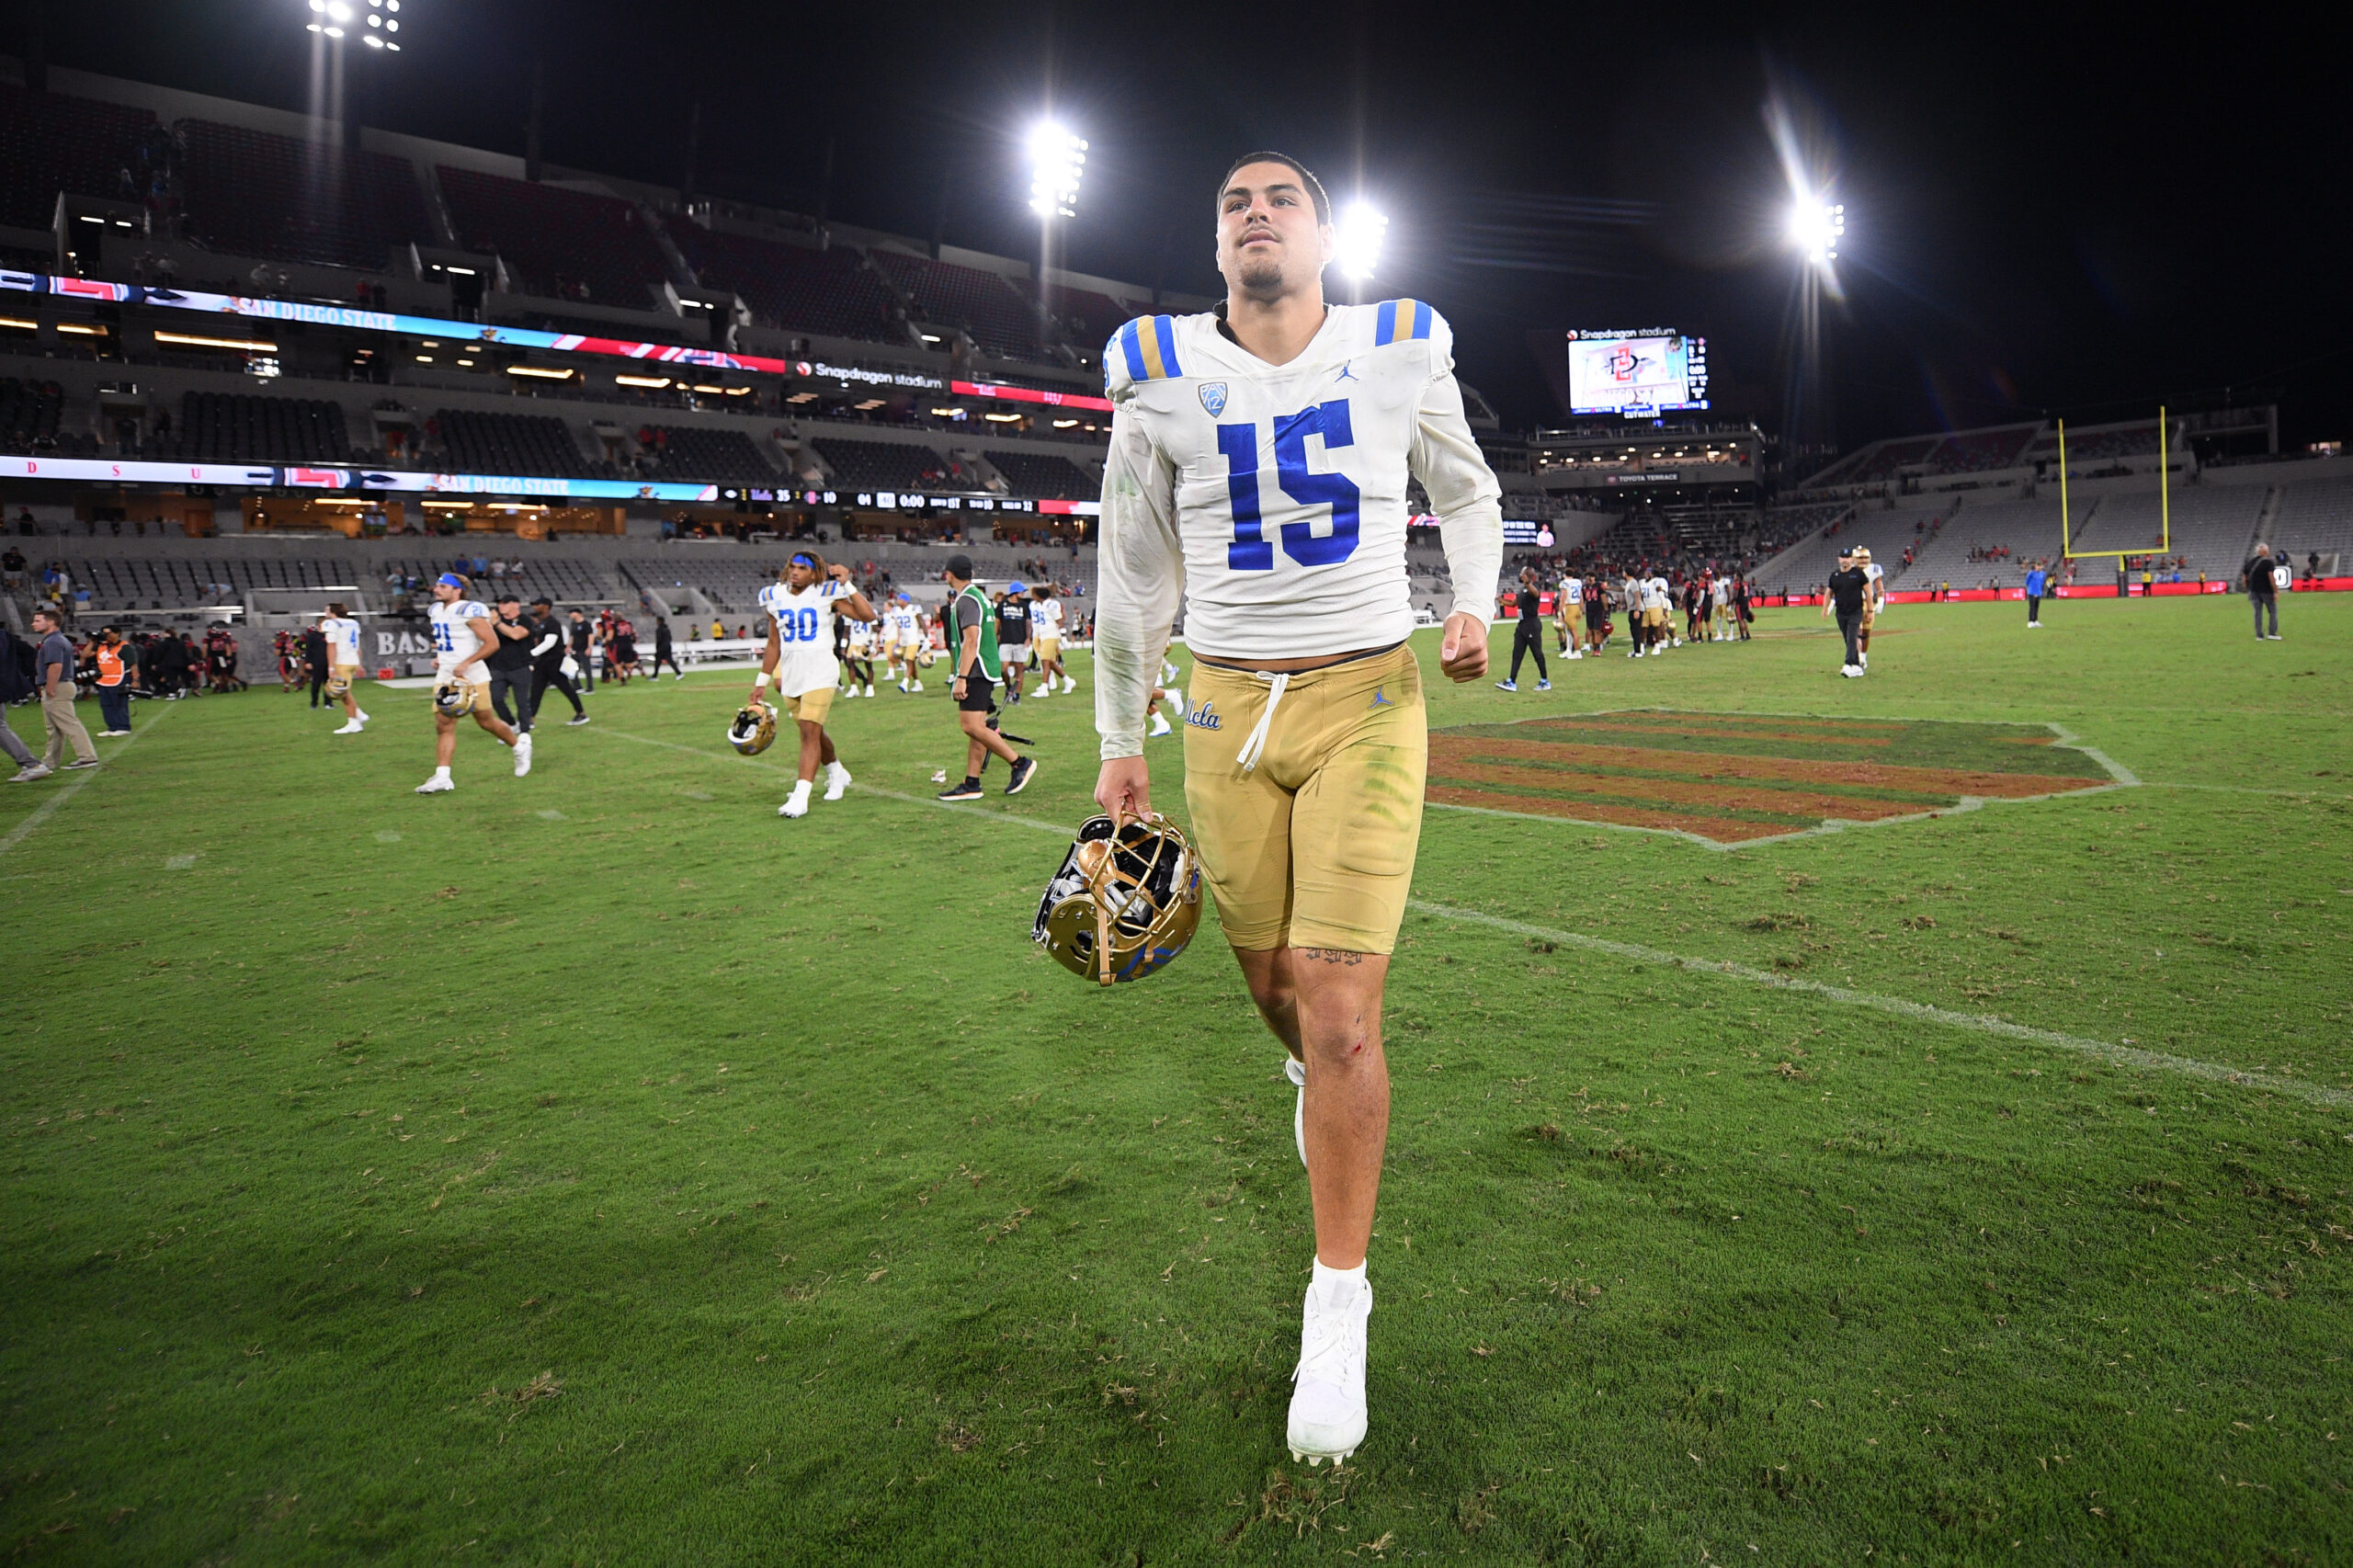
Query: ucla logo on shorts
pixel 1202 717
pixel 1214 397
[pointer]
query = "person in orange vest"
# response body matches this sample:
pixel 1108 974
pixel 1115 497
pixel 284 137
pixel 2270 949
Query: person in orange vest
pixel 117 659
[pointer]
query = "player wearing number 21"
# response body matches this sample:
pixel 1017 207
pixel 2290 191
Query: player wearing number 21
pixel 1257 471
pixel 800 659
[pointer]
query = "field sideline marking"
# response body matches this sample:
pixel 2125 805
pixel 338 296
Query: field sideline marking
pixel 47 808
pixel 1980 1023
pixel 1983 1023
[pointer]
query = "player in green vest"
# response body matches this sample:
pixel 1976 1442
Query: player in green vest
pixel 970 622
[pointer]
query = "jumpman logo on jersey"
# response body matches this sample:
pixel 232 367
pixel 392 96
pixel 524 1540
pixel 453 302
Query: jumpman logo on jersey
pixel 1380 701
pixel 1348 373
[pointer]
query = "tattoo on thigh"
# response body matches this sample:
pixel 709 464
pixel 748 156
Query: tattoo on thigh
pixel 1329 955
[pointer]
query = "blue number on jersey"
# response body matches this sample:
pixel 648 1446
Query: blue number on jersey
pixel 1238 444
pixel 808 619
pixel 449 643
pixel 1249 551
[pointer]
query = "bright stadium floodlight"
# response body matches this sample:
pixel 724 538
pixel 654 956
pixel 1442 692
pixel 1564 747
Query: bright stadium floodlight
pixel 1357 240
pixel 1816 227
pixel 1057 164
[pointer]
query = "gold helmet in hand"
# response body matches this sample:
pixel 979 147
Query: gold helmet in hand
pixel 753 730
pixel 1125 902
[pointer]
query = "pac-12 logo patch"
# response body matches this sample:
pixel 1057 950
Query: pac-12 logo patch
pixel 1202 717
pixel 1214 397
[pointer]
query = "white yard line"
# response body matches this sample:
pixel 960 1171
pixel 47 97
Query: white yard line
pixel 71 788
pixel 1980 1023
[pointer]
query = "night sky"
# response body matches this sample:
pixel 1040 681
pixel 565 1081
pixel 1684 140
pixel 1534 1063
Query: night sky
pixel 2051 210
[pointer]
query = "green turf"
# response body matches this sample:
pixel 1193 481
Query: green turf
pixel 594 1169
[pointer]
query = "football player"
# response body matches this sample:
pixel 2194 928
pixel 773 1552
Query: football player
pixel 1046 632
pixel 906 628
pixel 463 638
pixel 1874 599
pixel 342 633
pixel 801 611
pixel 1570 606
pixel 1258 471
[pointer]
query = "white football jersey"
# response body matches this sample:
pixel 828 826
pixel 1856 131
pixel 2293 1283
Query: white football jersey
pixel 901 620
pixel 804 633
pixel 343 639
pixel 1271 498
pixel 1655 594
pixel 1877 586
pixel 453 636
pixel 1572 590
pixel 1046 617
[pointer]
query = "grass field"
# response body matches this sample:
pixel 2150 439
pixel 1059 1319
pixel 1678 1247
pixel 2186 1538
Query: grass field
pixel 594 1169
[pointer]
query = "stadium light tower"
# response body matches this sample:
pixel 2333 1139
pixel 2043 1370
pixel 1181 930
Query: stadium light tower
pixel 376 24
pixel 1815 228
pixel 1057 164
pixel 1357 240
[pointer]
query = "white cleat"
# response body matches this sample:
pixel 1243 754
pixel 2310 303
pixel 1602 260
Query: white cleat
pixel 363 715
pixel 435 785
pixel 795 805
pixel 1296 1071
pixel 1069 685
pixel 836 781
pixel 1045 691
pixel 1327 1407
pixel 870 688
pixel 353 728
pixel 1160 726
pixel 522 753
pixel 917 688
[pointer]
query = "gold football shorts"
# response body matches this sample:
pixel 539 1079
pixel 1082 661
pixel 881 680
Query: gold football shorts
pixel 1314 848
pixel 811 705
pixel 1049 650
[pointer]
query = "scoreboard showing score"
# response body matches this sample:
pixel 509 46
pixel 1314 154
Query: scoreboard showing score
pixel 1637 374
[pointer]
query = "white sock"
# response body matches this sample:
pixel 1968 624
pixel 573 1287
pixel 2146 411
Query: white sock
pixel 440 773
pixel 1337 1286
pixel 800 789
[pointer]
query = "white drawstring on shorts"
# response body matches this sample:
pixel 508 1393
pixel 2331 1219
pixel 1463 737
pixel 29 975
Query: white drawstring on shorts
pixel 1254 747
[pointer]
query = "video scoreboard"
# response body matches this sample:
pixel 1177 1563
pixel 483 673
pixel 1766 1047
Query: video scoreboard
pixel 1637 374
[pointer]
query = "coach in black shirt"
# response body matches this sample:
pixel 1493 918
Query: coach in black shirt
pixel 314 654
pixel 548 635
pixel 581 631
pixel 510 662
pixel 1848 586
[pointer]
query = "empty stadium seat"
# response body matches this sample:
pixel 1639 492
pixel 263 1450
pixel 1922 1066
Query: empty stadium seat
pixel 1040 477
pixel 557 242
pixel 256 194
pixel 28 413
pixel 993 310
pixel 221 427
pixel 688 452
pixel 890 465
pixel 1088 316
pixel 50 143
pixel 790 285
pixel 530 445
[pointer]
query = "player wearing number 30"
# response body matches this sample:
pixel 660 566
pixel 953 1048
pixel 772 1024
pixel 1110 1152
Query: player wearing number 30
pixel 800 659
pixel 1258 471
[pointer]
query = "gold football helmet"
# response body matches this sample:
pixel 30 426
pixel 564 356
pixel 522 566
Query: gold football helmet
pixel 338 686
pixel 454 697
pixel 1125 902
pixel 753 730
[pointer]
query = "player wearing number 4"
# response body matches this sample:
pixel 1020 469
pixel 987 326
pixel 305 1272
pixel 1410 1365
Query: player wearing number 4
pixel 1258 471
pixel 800 659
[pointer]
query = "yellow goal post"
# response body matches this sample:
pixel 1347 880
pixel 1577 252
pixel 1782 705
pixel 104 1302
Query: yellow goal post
pixel 2164 546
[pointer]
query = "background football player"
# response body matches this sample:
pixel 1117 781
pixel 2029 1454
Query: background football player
pixel 905 619
pixel 1874 600
pixel 801 611
pixel 463 638
pixel 1258 471
pixel 342 633
pixel 1046 633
